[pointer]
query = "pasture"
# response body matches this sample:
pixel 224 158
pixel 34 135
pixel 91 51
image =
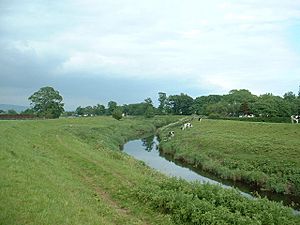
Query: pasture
pixel 70 171
pixel 263 154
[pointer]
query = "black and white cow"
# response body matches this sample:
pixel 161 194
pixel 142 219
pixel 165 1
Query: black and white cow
pixel 295 118
pixel 186 125
pixel 171 134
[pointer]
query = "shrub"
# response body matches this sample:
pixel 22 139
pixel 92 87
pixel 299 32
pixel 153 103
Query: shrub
pixel 117 114
pixel 149 113
pixel 214 116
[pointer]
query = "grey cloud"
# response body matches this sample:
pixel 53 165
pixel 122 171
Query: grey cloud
pixel 130 50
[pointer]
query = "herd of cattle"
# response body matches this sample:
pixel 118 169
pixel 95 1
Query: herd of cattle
pixel 183 127
pixel 294 119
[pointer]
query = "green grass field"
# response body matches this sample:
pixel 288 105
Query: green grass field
pixel 265 154
pixel 69 171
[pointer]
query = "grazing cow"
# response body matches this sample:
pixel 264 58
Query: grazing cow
pixel 200 119
pixel 171 134
pixel 295 118
pixel 186 125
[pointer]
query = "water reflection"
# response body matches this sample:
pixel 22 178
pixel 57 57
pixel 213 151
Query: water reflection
pixel 147 150
pixel 152 157
pixel 148 143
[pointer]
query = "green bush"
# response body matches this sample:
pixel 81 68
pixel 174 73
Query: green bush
pixel 149 113
pixel 117 114
pixel 214 116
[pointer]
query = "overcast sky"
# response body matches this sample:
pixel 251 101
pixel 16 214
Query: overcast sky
pixel 93 51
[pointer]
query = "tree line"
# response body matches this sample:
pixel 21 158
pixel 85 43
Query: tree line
pixel 234 104
pixel 47 103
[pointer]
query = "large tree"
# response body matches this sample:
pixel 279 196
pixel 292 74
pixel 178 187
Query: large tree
pixel 149 112
pixel 99 109
pixel 79 111
pixel 111 106
pixel 180 104
pixel 47 103
pixel 162 98
pixel 240 96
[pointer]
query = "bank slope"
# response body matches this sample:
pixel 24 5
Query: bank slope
pixel 69 171
pixel 263 154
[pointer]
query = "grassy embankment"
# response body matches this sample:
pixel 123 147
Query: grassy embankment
pixel 264 154
pixel 68 171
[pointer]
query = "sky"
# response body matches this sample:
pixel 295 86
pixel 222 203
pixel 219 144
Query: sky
pixel 94 51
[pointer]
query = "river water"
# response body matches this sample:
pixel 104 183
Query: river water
pixel 147 150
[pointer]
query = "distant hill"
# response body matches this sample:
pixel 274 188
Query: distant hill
pixel 18 108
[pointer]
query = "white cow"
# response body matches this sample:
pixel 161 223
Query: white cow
pixel 186 125
pixel 295 118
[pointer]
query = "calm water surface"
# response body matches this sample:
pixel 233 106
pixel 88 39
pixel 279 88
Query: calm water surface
pixel 147 150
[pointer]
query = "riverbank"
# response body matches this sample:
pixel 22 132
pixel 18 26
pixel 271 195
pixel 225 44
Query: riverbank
pixel 69 171
pixel 259 154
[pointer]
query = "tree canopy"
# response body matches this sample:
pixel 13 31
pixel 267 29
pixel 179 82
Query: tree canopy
pixel 180 104
pixel 111 106
pixel 234 104
pixel 47 103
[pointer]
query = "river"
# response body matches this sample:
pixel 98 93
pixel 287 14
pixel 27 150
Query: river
pixel 147 150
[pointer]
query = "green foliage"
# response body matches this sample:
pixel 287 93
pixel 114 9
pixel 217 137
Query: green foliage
pixel 214 116
pixel 145 108
pixel 148 101
pixel 296 109
pixel 245 110
pixel 137 109
pixel 79 111
pixel 162 98
pixel 149 113
pixel 28 111
pixel 240 96
pixel 96 110
pixel 253 119
pixel 47 103
pixel 271 106
pixel 12 112
pixel 68 114
pixel 99 110
pixel 236 103
pixel 117 113
pixel 243 102
pixel 219 108
pixel 111 106
pixel 289 96
pixel 201 103
pixel 180 104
